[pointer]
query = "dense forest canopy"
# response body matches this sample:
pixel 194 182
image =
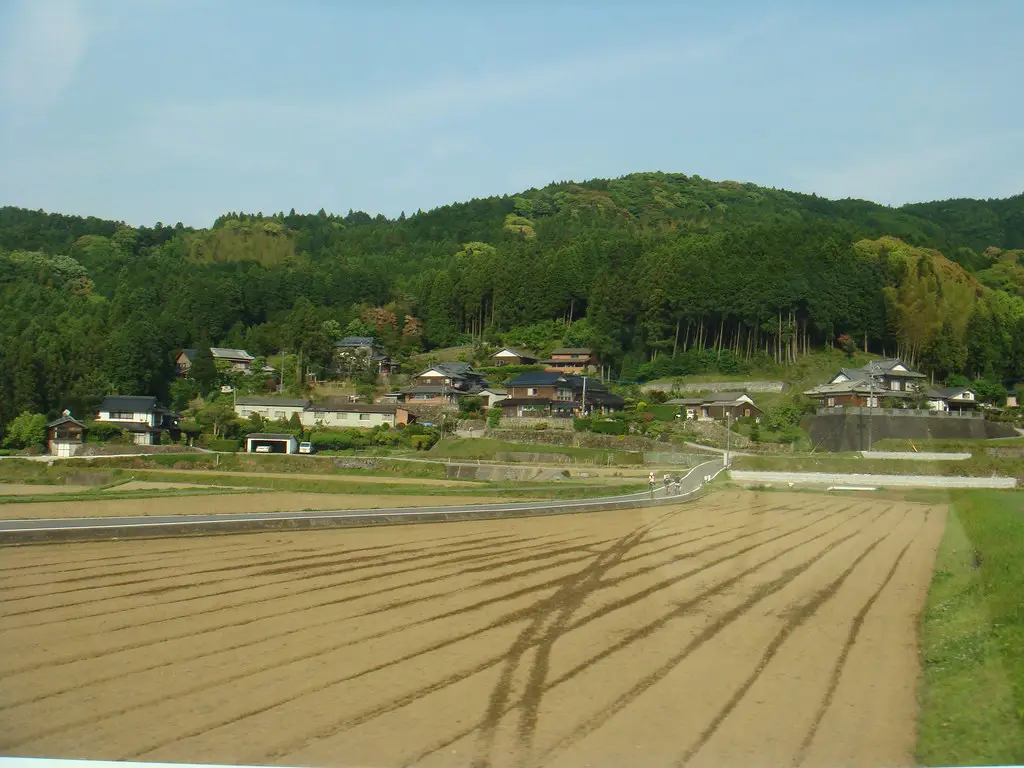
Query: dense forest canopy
pixel 646 269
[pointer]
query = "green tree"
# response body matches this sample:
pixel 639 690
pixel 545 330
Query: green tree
pixel 27 430
pixel 216 416
pixel 204 369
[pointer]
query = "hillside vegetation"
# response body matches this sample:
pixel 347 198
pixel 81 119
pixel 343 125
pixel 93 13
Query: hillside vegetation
pixel 672 272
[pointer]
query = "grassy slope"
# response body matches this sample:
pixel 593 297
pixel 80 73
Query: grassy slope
pixel 972 635
pixel 815 368
pixel 486 448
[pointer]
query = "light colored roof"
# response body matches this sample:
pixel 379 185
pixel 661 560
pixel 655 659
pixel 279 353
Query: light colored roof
pixel 571 351
pixel 270 436
pixel 516 352
pixel 355 408
pixel 223 353
pixel 725 397
pixel 861 385
pixel 283 402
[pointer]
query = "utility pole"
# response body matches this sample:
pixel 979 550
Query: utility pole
pixel 728 436
pixel 583 401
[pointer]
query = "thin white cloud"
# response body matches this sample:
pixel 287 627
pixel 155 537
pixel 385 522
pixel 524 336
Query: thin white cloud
pixel 44 46
pixel 208 129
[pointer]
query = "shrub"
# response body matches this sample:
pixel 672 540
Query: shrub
pixel 27 430
pixel 423 442
pixel 494 418
pixel 102 432
pixel 539 426
pixel 610 427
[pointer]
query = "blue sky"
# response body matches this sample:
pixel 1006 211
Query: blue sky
pixel 157 110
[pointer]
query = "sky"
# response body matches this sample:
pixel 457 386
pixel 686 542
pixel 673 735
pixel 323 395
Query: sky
pixel 180 110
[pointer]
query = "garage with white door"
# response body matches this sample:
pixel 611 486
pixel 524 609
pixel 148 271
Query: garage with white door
pixel 267 442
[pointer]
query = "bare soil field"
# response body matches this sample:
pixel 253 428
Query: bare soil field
pixel 28 489
pixel 198 504
pixel 153 485
pixel 742 629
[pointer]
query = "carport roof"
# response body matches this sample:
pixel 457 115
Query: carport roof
pixel 269 436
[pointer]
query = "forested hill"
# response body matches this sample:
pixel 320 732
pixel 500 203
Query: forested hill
pixel 644 268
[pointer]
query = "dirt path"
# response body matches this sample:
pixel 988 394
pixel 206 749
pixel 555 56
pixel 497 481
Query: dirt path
pixel 744 629
pixel 274 501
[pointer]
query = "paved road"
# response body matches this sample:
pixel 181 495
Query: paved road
pixel 36 529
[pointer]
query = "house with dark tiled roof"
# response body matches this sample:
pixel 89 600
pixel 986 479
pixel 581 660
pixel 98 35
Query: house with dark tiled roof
pixel 441 384
pixel 945 399
pixel 552 393
pixel 140 416
pixel 358 353
pixel 867 386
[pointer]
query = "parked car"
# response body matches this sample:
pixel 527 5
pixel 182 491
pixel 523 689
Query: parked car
pixel 262 449
pixel 305 447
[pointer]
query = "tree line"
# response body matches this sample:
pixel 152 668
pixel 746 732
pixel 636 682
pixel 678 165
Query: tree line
pixel 647 269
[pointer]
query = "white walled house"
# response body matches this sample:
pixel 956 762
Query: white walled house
pixel 947 399
pixel 355 415
pixel 141 416
pixel 270 408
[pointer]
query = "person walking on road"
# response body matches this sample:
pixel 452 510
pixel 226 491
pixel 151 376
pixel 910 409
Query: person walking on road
pixel 650 482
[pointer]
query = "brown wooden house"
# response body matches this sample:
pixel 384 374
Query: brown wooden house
pixel 65 436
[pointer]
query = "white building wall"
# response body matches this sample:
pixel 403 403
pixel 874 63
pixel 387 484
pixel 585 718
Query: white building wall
pixel 346 419
pixel 139 418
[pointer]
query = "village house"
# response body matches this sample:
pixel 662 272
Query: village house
pixel 717 405
pixel 492 396
pixel 237 360
pixel 866 387
pixel 551 393
pixel 509 356
pixel 65 436
pixel 575 360
pixel 441 384
pixel 355 415
pixel 358 353
pixel 142 417
pixel 271 408
pixel 952 399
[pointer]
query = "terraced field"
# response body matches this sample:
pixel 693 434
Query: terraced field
pixel 743 629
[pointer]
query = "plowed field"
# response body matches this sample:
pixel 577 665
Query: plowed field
pixel 743 629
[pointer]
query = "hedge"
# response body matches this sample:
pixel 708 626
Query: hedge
pixel 224 444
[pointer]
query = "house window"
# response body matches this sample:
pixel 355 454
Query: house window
pixel 830 401
pixel 894 385
pixel 121 416
pixel 531 391
pixel 364 417
pixel 278 414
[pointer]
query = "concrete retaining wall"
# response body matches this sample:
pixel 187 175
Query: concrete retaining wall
pixel 859 431
pixel 918 456
pixel 889 481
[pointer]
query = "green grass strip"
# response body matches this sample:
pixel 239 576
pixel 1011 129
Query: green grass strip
pixel 972 636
